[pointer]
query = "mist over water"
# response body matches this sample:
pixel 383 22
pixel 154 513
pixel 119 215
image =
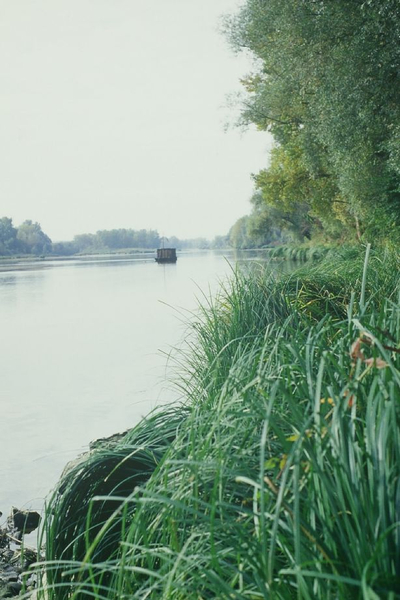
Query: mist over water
pixel 84 347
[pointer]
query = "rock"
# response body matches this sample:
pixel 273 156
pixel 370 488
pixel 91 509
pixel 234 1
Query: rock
pixel 25 521
pixel 15 588
pixel 10 576
pixel 3 539
pixel 6 555
pixel 15 558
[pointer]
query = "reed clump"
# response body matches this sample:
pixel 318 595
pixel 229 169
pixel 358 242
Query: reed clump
pixel 303 253
pixel 277 478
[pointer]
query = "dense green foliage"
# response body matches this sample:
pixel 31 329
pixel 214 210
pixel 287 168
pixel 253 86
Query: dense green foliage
pixel 125 239
pixel 116 239
pixel 28 238
pixel 326 84
pixel 271 225
pixel 277 478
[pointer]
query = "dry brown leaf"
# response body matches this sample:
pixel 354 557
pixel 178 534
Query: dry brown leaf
pixel 355 351
pixel 378 363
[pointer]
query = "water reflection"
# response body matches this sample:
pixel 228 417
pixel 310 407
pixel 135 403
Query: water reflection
pixel 6 280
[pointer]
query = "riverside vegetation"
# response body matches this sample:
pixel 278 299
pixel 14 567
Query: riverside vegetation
pixel 325 84
pixel 276 477
pixel 28 240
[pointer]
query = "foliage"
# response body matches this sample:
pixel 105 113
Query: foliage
pixel 93 486
pixel 265 226
pixel 28 238
pixel 32 239
pixel 238 234
pixel 326 85
pixel 272 224
pixel 331 253
pixel 8 237
pixel 64 248
pixel 278 479
pixel 123 239
pixel 219 242
pixel 115 239
pixel 189 244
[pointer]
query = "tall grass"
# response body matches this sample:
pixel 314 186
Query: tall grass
pixel 302 253
pixel 278 479
pixel 85 510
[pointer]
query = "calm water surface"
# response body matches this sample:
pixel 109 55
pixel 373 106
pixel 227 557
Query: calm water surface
pixel 83 346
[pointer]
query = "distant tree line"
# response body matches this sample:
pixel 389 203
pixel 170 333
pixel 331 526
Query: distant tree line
pixel 116 239
pixel 29 238
pixel 326 85
pixel 125 239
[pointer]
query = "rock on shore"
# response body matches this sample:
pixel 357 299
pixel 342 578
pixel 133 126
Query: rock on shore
pixel 15 558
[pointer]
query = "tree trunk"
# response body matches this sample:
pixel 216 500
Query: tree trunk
pixel 358 231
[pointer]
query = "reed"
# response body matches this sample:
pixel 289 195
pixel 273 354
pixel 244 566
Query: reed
pixel 304 253
pixel 278 478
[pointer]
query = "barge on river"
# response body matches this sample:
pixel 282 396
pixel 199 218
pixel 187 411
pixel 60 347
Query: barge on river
pixel 166 255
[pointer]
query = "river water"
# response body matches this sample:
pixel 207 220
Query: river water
pixel 84 347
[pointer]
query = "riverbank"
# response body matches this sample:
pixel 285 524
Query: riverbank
pixel 277 476
pixel 16 557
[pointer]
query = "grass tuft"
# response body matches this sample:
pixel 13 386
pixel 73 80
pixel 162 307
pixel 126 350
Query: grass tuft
pixel 278 478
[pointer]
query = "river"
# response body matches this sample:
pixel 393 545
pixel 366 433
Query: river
pixel 84 347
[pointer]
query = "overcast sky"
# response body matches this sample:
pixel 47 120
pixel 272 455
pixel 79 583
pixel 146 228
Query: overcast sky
pixel 112 115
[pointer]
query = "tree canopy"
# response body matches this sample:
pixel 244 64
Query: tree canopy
pixel 32 239
pixel 8 237
pixel 28 238
pixel 326 85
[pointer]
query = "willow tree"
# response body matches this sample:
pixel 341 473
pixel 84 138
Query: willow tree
pixel 326 81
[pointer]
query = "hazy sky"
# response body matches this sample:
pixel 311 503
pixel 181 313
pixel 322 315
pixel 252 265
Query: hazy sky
pixel 112 115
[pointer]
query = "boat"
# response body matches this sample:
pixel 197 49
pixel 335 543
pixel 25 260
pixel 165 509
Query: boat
pixel 166 255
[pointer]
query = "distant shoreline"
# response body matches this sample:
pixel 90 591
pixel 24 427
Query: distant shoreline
pixel 38 257
pixel 23 263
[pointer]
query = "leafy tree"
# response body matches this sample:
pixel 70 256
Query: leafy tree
pixel 188 244
pixel 238 235
pixel 117 239
pixel 219 242
pixel 300 194
pixel 8 237
pixel 32 239
pixel 326 85
pixel 108 239
pixel 64 248
pixel 275 223
pixel 85 241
